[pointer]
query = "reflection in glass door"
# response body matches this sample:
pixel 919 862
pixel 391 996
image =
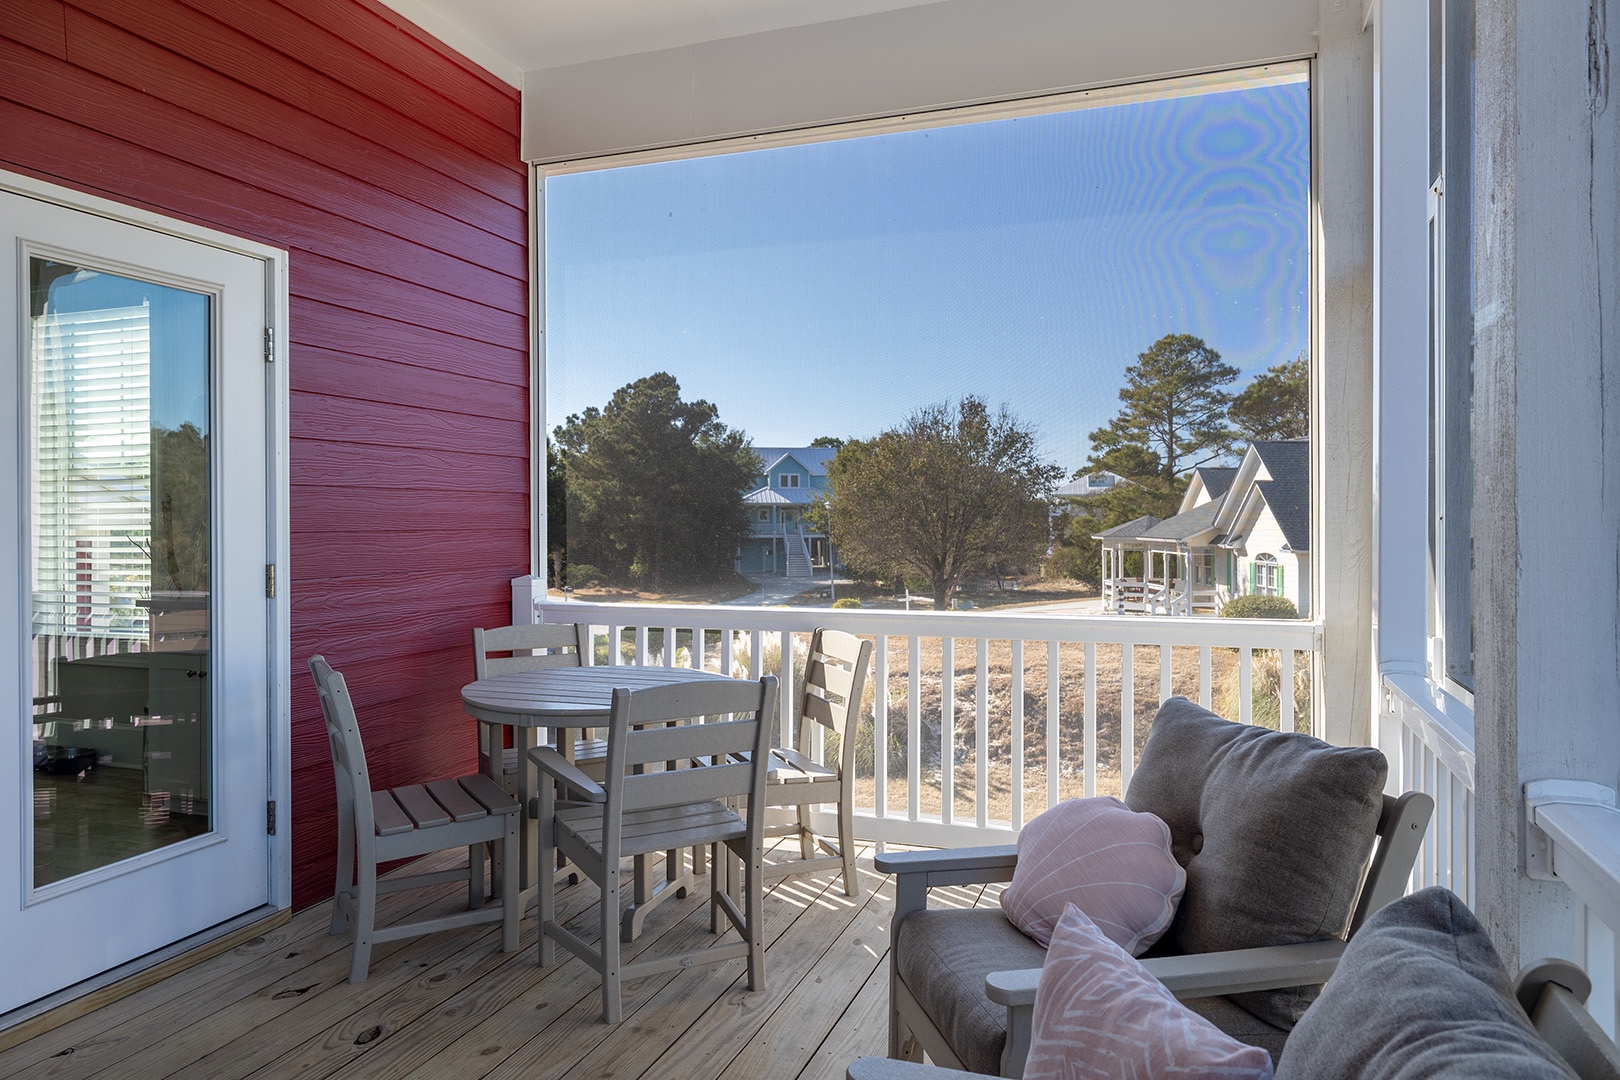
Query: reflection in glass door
pixel 120 552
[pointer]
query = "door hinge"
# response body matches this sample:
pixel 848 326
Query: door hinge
pixel 270 817
pixel 269 344
pixel 270 580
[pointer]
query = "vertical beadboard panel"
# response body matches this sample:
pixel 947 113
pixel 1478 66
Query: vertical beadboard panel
pixel 388 166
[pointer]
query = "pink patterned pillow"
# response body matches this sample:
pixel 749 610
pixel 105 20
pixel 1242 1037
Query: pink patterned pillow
pixel 1108 860
pixel 1099 1014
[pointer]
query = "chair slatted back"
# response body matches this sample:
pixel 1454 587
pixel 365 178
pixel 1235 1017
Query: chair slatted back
pixel 534 647
pixel 349 770
pixel 742 715
pixel 834 681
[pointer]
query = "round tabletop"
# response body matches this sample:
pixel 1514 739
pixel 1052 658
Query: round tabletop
pixel 561 697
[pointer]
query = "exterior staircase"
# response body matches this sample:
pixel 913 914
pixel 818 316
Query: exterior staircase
pixel 798 557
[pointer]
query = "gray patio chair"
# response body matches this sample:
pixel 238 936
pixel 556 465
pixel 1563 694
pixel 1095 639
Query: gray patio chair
pixel 531 647
pixel 403 823
pixel 834 680
pixel 1420 992
pixel 1288 844
pixel 636 813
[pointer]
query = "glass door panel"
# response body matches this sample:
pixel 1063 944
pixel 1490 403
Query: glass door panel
pixel 119 370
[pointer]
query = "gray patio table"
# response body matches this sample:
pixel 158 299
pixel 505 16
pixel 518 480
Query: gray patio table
pixel 556 700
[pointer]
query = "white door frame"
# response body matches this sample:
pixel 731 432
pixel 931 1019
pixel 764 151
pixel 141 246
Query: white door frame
pixel 278 633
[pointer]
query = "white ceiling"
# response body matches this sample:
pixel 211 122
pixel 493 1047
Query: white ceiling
pixel 510 37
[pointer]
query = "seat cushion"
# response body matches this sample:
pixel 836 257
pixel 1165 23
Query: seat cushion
pixel 1420 992
pixel 1108 860
pixel 1274 830
pixel 1098 1013
pixel 943 958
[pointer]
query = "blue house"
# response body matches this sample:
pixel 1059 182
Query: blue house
pixel 783 541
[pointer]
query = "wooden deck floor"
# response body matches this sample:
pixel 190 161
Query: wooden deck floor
pixel 453 1006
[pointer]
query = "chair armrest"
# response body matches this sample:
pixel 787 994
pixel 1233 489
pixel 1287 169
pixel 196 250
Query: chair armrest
pixel 1235 971
pixel 882 1068
pixel 1238 971
pixel 565 772
pixel 915 872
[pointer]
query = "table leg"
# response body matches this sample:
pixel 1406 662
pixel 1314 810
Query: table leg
pixel 525 739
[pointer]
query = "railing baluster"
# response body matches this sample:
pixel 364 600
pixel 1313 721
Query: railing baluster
pixel 947 729
pixel 981 733
pixel 913 729
pixel 728 651
pixel 880 727
pixel 1166 654
pixel 669 646
pixel 699 648
pixel 1089 734
pixel 1015 690
pixel 1053 753
pixel 784 689
pixel 1127 715
pixel 641 646
pixel 1285 690
pixel 756 654
pixel 1206 664
pixel 1245 685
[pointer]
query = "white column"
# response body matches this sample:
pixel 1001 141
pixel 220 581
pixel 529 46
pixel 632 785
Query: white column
pixel 1547 436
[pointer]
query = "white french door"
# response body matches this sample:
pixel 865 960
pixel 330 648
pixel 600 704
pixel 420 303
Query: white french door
pixel 134 619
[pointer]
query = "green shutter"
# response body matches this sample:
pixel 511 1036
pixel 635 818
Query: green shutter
pixel 1280 590
pixel 1253 577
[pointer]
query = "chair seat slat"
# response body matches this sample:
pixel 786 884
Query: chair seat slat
pixel 391 818
pixel 490 795
pixel 420 807
pixel 455 800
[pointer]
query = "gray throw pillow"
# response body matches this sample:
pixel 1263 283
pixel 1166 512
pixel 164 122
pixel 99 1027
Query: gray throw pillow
pixel 1273 828
pixel 1420 993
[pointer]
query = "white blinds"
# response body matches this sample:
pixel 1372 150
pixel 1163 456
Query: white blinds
pixel 92 486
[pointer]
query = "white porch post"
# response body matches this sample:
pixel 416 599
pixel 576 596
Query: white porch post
pixel 1341 372
pixel 1546 283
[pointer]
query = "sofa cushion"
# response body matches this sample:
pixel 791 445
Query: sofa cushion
pixel 944 956
pixel 1420 992
pixel 1273 828
pixel 1098 1013
pixel 1108 860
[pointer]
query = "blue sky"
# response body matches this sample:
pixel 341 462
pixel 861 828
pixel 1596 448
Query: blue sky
pixel 833 288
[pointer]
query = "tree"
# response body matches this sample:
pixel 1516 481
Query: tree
pixel 1173 420
pixel 944 495
pixel 180 509
pixel 556 513
pixel 1277 404
pixel 831 442
pixel 654 485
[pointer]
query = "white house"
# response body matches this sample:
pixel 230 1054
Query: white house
pixel 1241 531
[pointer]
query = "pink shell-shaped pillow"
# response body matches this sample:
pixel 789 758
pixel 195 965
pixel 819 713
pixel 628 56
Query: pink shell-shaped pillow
pixel 1109 861
pixel 1099 1013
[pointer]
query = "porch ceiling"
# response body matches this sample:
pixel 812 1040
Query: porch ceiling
pixel 513 36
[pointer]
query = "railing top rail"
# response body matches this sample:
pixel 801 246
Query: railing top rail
pixel 1022 625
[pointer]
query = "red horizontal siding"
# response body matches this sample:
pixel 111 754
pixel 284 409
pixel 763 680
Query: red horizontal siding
pixel 388 167
pixel 395 340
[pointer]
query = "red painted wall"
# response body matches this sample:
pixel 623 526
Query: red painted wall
pixel 388 166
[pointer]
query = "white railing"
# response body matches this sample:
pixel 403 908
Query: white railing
pixel 975 721
pixel 1574 837
pixel 1434 752
pixel 1574 828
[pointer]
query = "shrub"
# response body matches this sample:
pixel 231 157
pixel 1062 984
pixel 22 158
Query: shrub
pixel 1259 607
pixel 579 575
pixel 847 602
pixel 1073 564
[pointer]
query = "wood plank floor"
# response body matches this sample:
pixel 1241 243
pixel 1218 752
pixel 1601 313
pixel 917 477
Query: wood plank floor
pixel 452 1005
